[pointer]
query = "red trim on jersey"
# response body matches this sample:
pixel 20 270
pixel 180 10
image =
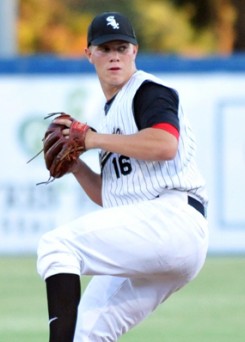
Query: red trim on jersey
pixel 168 127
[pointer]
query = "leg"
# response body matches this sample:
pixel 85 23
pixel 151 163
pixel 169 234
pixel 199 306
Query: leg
pixel 63 295
pixel 111 306
pixel 150 241
pixel 131 241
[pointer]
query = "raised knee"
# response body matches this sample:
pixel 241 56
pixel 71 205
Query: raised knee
pixel 56 254
pixel 46 247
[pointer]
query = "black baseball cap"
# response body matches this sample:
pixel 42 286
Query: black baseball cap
pixel 109 26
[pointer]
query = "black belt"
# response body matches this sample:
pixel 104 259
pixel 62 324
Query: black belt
pixel 197 205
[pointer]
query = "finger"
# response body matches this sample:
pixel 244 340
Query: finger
pixel 66 131
pixel 65 122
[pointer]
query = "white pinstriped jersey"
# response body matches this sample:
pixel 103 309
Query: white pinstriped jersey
pixel 127 180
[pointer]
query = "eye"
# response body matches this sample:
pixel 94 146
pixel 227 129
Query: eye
pixel 122 48
pixel 104 48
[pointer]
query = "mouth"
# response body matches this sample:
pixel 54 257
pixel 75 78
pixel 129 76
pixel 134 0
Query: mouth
pixel 114 69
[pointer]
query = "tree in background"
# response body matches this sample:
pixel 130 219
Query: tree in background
pixel 217 16
pixel 50 26
pixel 187 27
pixel 167 27
pixel 239 44
pixel 225 17
pixel 59 26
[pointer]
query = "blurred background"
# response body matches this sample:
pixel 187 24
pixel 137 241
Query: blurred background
pixel 196 47
pixel 186 27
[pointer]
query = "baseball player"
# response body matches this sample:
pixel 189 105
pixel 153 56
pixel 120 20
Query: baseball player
pixel 150 237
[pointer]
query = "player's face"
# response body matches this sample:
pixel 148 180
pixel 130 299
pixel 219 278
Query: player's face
pixel 114 63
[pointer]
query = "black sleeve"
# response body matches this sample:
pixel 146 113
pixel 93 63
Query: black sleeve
pixel 154 103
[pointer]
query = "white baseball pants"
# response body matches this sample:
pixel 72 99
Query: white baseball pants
pixel 138 254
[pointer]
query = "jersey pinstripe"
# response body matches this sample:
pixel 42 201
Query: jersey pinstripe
pixel 127 180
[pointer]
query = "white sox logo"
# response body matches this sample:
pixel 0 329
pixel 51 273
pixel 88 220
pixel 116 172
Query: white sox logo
pixel 112 21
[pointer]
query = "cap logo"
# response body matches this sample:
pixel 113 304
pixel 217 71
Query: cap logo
pixel 112 21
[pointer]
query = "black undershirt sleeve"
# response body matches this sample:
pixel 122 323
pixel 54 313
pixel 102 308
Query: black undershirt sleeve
pixel 153 104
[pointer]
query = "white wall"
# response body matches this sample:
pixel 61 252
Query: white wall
pixel 214 102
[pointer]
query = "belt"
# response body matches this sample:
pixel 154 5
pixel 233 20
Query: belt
pixel 197 205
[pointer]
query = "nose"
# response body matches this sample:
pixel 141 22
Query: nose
pixel 114 56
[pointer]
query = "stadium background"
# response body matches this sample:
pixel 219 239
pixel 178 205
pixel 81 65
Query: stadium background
pixel 211 308
pixel 212 92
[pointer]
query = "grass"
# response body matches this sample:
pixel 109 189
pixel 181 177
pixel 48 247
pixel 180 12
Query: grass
pixel 210 309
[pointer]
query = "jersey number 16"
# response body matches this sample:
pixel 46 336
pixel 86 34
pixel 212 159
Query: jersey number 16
pixel 122 166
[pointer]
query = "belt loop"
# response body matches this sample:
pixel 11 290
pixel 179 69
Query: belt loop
pixel 197 205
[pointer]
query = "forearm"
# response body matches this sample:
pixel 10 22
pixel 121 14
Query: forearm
pixel 149 144
pixel 90 181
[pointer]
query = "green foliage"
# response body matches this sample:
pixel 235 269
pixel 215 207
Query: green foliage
pixel 59 26
pixel 203 11
pixel 51 27
pixel 209 309
pixel 163 28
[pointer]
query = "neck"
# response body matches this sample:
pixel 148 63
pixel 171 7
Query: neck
pixel 110 90
pixel 109 93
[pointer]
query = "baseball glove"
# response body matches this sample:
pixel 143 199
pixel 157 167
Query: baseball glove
pixel 60 152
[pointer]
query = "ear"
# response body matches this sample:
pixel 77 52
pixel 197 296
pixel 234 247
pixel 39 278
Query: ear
pixel 88 54
pixel 136 47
